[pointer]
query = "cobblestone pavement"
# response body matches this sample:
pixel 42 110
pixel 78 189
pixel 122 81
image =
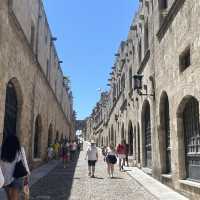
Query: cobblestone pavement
pixel 73 183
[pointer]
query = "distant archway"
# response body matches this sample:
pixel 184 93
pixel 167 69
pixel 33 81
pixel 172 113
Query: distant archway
pixel 130 138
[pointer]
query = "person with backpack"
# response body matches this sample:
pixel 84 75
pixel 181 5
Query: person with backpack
pixel 14 167
pixel 121 153
pixel 111 160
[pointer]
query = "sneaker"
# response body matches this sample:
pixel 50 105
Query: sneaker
pixel 89 174
pixel 92 176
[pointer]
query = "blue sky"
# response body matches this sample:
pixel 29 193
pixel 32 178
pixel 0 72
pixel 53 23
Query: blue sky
pixel 89 33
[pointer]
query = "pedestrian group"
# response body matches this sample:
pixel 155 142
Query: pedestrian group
pixel 110 154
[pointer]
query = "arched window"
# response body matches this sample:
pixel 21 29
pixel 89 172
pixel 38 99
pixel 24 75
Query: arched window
pixel 37 137
pixel 147 134
pixel 11 111
pixel 192 138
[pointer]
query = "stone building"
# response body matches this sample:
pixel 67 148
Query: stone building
pixel 35 101
pixel 154 94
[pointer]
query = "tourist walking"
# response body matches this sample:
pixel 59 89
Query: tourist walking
pixel 49 153
pixel 92 156
pixel 111 160
pixel 121 153
pixel 65 150
pixel 73 148
pixel 14 167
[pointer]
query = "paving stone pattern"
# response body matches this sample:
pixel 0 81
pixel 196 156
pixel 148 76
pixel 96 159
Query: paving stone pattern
pixel 73 183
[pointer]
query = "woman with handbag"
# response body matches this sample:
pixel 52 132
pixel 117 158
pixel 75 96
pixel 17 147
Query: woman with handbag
pixel 111 160
pixel 14 167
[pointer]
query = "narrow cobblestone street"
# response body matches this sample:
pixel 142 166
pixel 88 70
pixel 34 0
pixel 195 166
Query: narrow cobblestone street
pixel 73 183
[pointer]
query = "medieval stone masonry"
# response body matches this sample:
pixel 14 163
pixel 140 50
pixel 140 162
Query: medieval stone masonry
pixel 153 101
pixel 35 100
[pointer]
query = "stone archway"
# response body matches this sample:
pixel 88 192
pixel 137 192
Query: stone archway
pixel 37 137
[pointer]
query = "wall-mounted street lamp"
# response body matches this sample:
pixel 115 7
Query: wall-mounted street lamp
pixel 53 39
pixel 60 61
pixel 138 85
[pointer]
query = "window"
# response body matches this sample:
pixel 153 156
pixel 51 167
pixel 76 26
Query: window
pixel 146 37
pixel 123 81
pixel 130 79
pixel 163 5
pixel 139 52
pixel 48 69
pixel 184 60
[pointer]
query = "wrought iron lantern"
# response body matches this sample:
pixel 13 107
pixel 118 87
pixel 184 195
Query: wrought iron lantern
pixel 138 85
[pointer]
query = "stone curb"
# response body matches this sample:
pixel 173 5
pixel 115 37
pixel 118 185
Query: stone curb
pixel 160 191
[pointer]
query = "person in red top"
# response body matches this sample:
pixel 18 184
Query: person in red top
pixel 121 153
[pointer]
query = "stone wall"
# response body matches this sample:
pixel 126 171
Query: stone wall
pixel 173 28
pixel 37 93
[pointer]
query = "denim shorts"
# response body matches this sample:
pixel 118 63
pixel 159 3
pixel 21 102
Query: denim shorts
pixel 17 184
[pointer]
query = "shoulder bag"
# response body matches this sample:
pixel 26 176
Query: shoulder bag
pixel 20 170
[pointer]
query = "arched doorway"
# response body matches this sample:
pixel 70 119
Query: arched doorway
pixel 37 137
pixel 11 110
pixel 130 138
pixel 146 125
pixel 164 134
pixel 50 135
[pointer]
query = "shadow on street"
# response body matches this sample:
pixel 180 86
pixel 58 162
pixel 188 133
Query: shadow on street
pixel 57 184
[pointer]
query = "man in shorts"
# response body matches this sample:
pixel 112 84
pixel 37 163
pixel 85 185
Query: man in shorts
pixel 92 155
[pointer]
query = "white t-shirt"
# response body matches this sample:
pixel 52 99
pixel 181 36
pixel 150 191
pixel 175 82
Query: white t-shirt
pixel 92 153
pixel 110 152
